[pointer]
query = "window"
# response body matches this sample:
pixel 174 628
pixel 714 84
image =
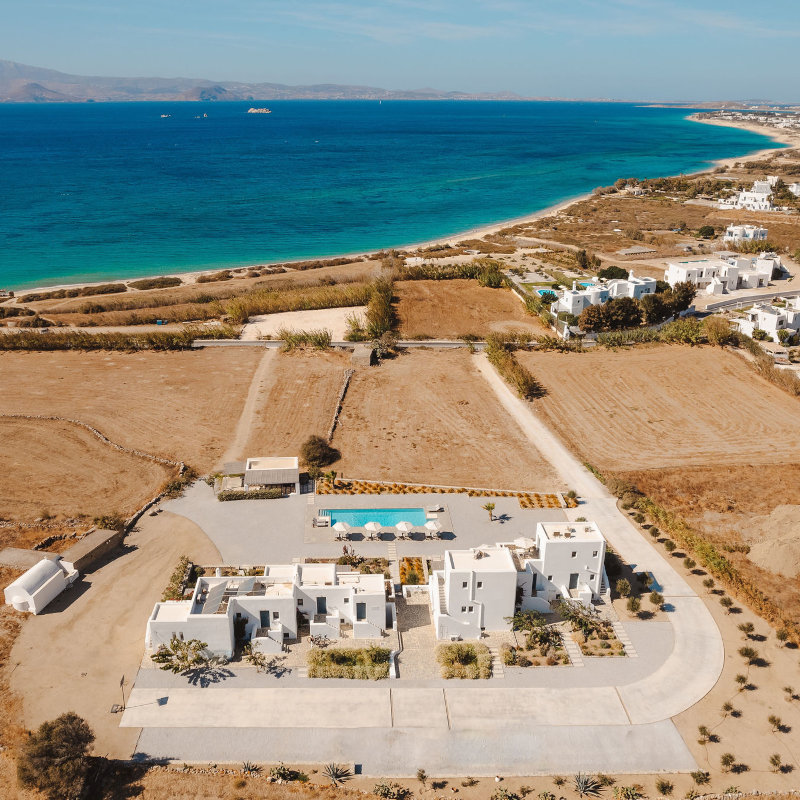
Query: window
pixel 470 609
pixel 463 609
pixel 574 554
pixel 594 553
pixel 286 634
pixel 550 578
pixel 591 577
pixel 347 599
pixel 464 585
pixel 300 601
pixel 480 584
pixel 276 615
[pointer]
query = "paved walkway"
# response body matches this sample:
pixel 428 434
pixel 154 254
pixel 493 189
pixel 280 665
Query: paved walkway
pixel 697 657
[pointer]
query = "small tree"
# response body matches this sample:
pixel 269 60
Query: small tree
pixel 727 760
pixel 747 629
pixel 623 587
pixel 317 452
pixel 182 656
pixel 490 508
pixel 706 232
pixel 749 654
pixel 776 762
pixel 709 584
pixel 700 777
pixel 726 603
pixel 669 545
pixel 54 758
pixel 727 708
pixel 657 599
pixel 689 563
pixel 741 681
pixel 782 635
pixel 704 733
pixel 422 776
pixel 775 723
pixel 634 604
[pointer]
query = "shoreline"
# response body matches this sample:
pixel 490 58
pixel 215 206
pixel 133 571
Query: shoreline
pixel 190 277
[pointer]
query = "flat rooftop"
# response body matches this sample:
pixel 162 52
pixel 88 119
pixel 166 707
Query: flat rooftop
pixel 173 612
pixel 574 531
pixel 486 559
pixel 272 462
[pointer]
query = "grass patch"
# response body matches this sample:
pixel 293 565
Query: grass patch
pixel 84 291
pixel 164 282
pixel 470 660
pixel 316 339
pixel 500 352
pixel 366 663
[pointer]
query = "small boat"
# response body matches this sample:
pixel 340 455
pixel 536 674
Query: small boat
pixel 164 116
pixel 258 111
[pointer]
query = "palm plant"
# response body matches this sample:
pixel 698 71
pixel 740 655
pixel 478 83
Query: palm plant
pixel 586 785
pixel 490 508
pixel 337 774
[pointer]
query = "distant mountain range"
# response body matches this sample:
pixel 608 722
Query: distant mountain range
pixel 20 83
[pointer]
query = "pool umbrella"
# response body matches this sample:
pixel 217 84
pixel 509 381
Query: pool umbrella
pixel 404 528
pixel 373 528
pixel 434 526
pixel 342 527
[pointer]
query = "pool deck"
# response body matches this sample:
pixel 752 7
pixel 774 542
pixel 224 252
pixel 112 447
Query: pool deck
pixel 324 535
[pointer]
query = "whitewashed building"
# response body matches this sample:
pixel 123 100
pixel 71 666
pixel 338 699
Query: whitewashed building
pixel 745 233
pixel 41 584
pixel 479 589
pixel 771 319
pixel 794 188
pixel 270 472
pixel 267 610
pixel 575 300
pixel 757 198
pixel 717 276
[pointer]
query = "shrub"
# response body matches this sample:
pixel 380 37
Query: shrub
pixel 664 787
pixel 501 793
pixel 706 232
pixel 500 354
pixel 182 655
pixel 380 316
pixel 318 339
pixel 366 663
pixel 166 282
pixel 657 599
pixel 633 605
pixel 700 777
pixel 248 494
pixel 54 760
pixel 173 591
pixel 317 452
pixel 470 660
pixel 623 587
pixel 390 791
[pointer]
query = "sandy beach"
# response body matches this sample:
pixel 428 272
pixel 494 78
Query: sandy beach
pixel 782 138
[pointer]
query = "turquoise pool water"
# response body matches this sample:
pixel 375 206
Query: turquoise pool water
pixel 543 292
pixel 387 517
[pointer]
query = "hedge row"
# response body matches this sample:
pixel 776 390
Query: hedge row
pixel 244 494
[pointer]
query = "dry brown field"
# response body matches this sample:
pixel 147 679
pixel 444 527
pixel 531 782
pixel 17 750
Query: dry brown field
pixel 427 416
pixel 665 406
pixel 296 400
pixel 451 309
pixel 56 468
pixel 181 405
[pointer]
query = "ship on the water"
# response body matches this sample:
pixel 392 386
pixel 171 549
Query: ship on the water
pixel 258 111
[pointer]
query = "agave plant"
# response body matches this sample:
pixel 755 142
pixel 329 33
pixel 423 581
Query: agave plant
pixel 248 768
pixel 337 774
pixel 587 785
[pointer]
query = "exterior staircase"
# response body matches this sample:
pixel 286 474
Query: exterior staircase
pixel 622 635
pixel 498 670
pixel 573 650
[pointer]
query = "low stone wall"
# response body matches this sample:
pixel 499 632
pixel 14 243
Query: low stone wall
pixel 97 543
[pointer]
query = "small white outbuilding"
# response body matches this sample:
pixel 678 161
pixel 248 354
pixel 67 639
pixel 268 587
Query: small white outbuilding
pixel 43 582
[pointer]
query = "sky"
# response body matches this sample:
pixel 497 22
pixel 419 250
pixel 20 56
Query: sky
pixel 622 49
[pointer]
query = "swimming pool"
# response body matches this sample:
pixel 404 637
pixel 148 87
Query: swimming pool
pixel 543 292
pixel 387 517
pixel 586 284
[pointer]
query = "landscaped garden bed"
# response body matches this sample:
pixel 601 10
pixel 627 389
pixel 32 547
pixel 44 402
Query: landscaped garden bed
pixel 366 566
pixel 594 635
pixel 526 499
pixel 470 660
pixel 541 643
pixel 412 572
pixel 365 663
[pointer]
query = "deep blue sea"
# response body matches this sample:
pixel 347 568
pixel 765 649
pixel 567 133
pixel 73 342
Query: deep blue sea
pixel 98 191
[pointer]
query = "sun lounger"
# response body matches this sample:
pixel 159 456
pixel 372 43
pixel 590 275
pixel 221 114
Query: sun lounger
pixel 321 522
pixel 434 508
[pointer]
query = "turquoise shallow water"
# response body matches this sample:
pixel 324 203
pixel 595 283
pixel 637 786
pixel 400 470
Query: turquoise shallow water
pixel 97 191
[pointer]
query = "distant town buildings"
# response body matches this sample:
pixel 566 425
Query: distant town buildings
pixel 745 233
pixel 478 589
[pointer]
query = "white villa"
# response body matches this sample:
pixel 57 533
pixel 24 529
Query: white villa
pixel 479 589
pixel 268 609
pixel 758 198
pixel 43 582
pixel 771 319
pixel 573 301
pixel 717 276
pixel 745 233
